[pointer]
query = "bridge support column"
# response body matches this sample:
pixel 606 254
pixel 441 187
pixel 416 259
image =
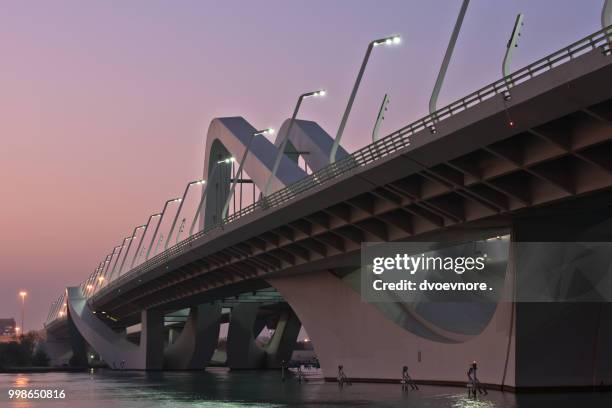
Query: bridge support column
pixel 283 341
pixel 242 352
pixel 152 338
pixel 58 348
pixel 114 348
pixel 522 345
pixel 563 343
pixel 346 331
pixel 77 344
pixel 196 344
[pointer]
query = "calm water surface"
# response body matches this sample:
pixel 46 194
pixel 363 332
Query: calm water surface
pixel 224 389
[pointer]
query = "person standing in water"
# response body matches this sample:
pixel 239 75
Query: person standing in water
pixel 342 378
pixel 407 380
pixel 474 382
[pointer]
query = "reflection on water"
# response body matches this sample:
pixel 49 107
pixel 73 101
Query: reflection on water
pixel 20 380
pixel 224 389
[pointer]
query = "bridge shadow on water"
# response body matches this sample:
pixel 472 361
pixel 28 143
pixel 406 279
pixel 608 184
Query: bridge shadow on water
pixel 221 388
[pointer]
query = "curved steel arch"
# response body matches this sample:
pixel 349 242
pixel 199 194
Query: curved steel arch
pixel 309 139
pixel 230 136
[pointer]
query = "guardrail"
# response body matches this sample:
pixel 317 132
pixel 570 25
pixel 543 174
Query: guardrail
pixel 398 140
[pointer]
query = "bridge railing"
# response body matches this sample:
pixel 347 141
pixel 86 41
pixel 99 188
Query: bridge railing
pixel 398 140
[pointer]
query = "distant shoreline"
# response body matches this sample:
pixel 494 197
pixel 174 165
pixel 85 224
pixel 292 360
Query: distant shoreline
pixel 14 370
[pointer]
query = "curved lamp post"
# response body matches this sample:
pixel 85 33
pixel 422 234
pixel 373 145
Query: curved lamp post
pixel 268 131
pixel 512 44
pixel 178 211
pixel 606 14
pixel 102 272
pixel 108 273
pixel 142 238
pixel 88 282
pixel 433 100
pixel 211 176
pixel 395 39
pixel 281 148
pixel 127 251
pixel 112 274
pixel 161 218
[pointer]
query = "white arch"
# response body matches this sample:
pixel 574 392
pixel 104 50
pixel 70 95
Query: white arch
pixel 234 133
pixel 308 136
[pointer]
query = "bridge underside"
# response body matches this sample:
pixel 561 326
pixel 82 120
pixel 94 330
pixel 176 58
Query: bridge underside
pixel 535 166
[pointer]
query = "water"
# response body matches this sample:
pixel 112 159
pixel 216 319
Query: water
pixel 221 388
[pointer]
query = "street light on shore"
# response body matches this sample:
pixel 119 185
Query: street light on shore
pixel 395 39
pixel 23 295
pixel 268 131
pixel 281 148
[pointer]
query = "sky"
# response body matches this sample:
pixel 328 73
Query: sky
pixel 104 105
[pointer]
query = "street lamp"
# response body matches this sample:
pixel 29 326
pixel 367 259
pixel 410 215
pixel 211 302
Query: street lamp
pixel 92 277
pixel 161 218
pixel 283 144
pixel 211 176
pixel 178 211
pixel 127 251
pixel 17 330
pixel 268 131
pixel 23 295
pixel 395 39
pixel 99 278
pixel 110 260
pixel 447 57
pixel 510 46
pixel 130 238
pixel 142 237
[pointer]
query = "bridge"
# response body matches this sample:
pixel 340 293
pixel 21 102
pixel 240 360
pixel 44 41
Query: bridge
pixel 526 158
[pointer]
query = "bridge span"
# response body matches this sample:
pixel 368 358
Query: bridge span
pixel 527 158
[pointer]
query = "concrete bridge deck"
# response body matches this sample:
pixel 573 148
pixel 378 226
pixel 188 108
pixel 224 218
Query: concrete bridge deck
pixel 475 171
pixel 519 157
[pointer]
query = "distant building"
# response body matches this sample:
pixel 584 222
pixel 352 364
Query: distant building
pixel 7 329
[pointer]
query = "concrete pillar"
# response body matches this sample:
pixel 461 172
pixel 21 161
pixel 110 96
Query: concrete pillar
pixel 77 344
pixel 152 338
pixel 242 352
pixel 173 334
pixel 196 344
pixel 523 345
pixel 283 341
pixel 347 331
pixel 114 348
pixel 562 343
pixel 58 348
pixel 260 324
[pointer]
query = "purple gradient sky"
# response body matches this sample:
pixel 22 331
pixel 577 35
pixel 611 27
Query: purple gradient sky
pixel 104 105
